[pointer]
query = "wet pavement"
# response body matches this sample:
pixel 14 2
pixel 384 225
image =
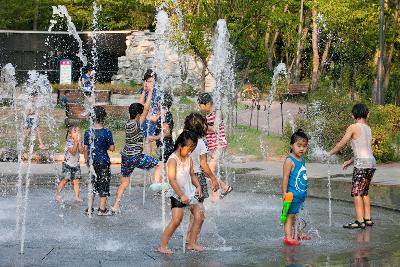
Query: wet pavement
pixel 242 229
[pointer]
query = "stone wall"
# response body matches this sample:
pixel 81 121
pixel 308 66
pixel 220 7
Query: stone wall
pixel 139 57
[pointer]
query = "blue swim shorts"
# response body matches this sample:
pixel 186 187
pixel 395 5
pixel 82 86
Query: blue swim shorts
pixel 296 206
pixel 141 161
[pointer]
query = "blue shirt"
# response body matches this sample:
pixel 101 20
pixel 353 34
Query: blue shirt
pixel 103 139
pixel 155 99
pixel 298 182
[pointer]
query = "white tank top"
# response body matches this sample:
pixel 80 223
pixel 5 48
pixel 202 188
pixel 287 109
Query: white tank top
pixel 362 149
pixel 183 177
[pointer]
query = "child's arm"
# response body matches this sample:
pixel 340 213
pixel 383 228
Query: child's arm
pixel 208 172
pixel 195 181
pixel 217 121
pixel 143 94
pixel 146 106
pixel 172 181
pixel 111 147
pixel 287 168
pixel 86 153
pixel 166 131
pixel 345 139
pixel 74 148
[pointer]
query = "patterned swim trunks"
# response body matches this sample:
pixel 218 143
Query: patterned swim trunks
pixel 361 181
pixel 141 161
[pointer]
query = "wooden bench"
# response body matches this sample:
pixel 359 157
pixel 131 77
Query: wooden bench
pixel 298 89
pixel 77 111
pixel 77 96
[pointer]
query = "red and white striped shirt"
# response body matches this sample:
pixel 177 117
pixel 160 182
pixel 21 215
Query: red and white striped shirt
pixel 215 139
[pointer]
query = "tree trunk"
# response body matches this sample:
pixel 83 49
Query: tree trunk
pixel 388 62
pixel 300 45
pixel 324 57
pixel 315 61
pixel 36 15
pixel 203 77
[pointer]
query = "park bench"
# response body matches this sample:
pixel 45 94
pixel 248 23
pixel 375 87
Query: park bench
pixel 77 96
pixel 298 89
pixel 76 111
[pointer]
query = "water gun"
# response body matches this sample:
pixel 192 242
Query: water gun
pixel 286 205
pixel 157 187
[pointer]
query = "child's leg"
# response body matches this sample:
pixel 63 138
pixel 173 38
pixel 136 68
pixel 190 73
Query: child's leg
pixel 359 207
pixel 77 190
pixel 198 219
pixel 60 187
pixel 367 207
pixel 103 203
pixel 291 219
pixel 40 139
pixel 177 216
pixel 157 173
pixel 124 183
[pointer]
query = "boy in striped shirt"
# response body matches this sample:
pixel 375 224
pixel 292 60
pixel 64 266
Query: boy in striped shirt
pixel 216 141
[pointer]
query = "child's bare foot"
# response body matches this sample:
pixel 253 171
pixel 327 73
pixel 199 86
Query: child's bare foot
pixel 43 146
pixel 195 247
pixel 77 199
pixel 165 250
pixel 57 198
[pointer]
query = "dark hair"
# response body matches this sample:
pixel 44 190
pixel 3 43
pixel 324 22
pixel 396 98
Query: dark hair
pixel 167 101
pixel 34 93
pixel 196 123
pixel 183 139
pixel 100 114
pixel 299 134
pixel 69 129
pixel 135 109
pixel 66 92
pixel 204 98
pixel 359 111
pixel 150 73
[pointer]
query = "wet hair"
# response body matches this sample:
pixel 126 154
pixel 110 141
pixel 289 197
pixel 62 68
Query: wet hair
pixel 183 139
pixel 149 73
pixel 66 92
pixel 167 101
pixel 204 98
pixel 69 129
pixel 299 134
pixel 100 114
pixel 135 109
pixel 196 123
pixel 359 111
pixel 34 93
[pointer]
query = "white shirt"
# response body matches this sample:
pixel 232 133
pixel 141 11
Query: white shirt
pixel 201 149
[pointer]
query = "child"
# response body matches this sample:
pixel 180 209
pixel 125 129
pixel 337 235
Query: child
pixel 360 136
pixel 32 119
pixel 185 187
pixel 149 125
pixel 97 141
pixel 295 181
pixel 70 167
pixel 196 123
pixel 132 154
pixel 166 145
pixel 216 140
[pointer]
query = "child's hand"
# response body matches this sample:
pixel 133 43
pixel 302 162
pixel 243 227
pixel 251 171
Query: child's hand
pixel 346 164
pixel 185 199
pixel 214 185
pixel 283 196
pixel 199 191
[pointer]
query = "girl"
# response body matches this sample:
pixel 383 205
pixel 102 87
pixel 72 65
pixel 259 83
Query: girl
pixel 70 167
pixel 184 188
pixel 295 181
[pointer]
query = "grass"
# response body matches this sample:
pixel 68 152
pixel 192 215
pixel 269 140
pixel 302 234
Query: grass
pixel 250 141
pixel 243 141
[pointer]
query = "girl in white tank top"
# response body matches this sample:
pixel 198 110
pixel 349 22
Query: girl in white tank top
pixel 184 187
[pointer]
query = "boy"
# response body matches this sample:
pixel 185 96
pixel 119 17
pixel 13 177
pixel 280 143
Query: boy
pixel 32 119
pixel 215 137
pixel 97 140
pixel 360 136
pixel 132 154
